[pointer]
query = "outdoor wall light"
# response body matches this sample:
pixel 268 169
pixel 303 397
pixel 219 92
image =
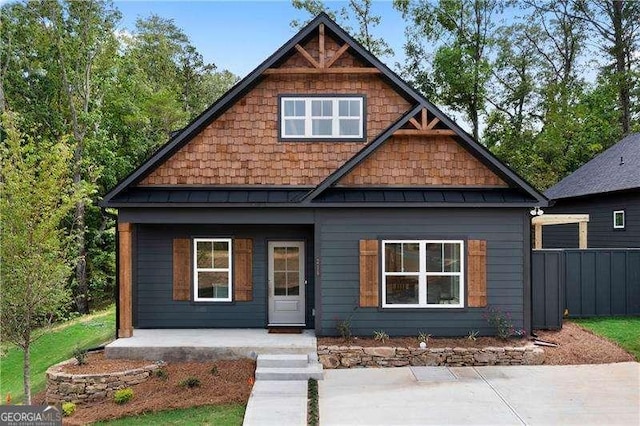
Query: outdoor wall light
pixel 536 211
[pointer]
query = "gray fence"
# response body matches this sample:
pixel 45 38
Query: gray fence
pixel 585 283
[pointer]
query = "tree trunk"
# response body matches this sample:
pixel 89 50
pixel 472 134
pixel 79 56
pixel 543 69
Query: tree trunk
pixel 622 79
pixel 26 371
pixel 82 291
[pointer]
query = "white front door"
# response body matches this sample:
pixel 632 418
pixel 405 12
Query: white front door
pixel 286 283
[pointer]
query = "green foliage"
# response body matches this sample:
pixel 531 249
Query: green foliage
pixel 206 415
pixel 473 335
pixel 80 355
pixel 214 370
pixel 423 337
pixel 161 373
pixel 190 382
pixel 122 396
pixel 502 323
pixel 54 344
pixel 344 329
pixel 68 408
pixel 313 409
pixel 625 331
pixel 380 336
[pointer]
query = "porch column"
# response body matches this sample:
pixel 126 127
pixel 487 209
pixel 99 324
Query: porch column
pixel 125 328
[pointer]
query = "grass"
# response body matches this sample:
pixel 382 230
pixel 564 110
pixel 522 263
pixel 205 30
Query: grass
pixel 55 345
pixel 625 331
pixel 219 415
pixel 313 410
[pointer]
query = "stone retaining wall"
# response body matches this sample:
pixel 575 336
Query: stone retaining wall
pixel 81 388
pixel 358 356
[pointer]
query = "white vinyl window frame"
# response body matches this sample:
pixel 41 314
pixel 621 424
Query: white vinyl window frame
pixel 196 269
pixel 616 214
pixel 423 275
pixel 309 117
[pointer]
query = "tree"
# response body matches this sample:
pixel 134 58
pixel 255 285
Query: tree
pixel 460 69
pixel 358 11
pixel 37 193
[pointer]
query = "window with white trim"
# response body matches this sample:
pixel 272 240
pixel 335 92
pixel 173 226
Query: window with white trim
pixel 422 274
pixel 618 219
pixel 322 117
pixel 212 269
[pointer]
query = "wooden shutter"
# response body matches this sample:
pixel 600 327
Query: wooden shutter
pixel 477 267
pixel 369 281
pixel 243 269
pixel 181 269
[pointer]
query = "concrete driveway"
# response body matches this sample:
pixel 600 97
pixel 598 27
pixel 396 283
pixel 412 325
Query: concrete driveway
pixel 533 395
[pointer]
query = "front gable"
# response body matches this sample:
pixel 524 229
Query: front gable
pixel 238 142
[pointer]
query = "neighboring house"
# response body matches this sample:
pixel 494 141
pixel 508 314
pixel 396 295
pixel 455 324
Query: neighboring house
pixel 607 188
pixel 321 188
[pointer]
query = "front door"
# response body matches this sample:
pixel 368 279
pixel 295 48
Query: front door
pixel 286 283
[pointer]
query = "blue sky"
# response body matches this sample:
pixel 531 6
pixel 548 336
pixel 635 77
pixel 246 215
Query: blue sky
pixel 239 35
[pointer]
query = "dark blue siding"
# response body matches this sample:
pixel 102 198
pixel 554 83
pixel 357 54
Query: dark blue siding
pixel 153 293
pixel 341 230
pixel 601 233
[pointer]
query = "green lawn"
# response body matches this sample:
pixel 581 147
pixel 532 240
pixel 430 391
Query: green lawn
pixel 221 415
pixel 57 344
pixel 623 330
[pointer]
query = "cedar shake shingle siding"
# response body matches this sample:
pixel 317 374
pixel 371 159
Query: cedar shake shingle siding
pixel 241 147
pixel 417 161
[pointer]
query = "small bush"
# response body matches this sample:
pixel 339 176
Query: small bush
pixel 423 337
pixel 122 396
pixel 190 382
pixel 380 336
pixel 344 329
pixel 68 408
pixel 161 373
pixel 214 370
pixel 502 322
pixel 473 335
pixel 80 355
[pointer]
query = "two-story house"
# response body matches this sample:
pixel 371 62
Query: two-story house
pixel 322 187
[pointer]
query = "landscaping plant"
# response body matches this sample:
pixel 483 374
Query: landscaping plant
pixel 344 329
pixel 380 336
pixel 503 324
pixel 68 408
pixel 423 337
pixel 122 396
pixel 214 370
pixel 473 335
pixel 80 355
pixel 162 374
pixel 190 382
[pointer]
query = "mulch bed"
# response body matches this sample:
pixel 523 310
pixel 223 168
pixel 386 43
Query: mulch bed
pixel 96 363
pixel 231 385
pixel 412 342
pixel 580 346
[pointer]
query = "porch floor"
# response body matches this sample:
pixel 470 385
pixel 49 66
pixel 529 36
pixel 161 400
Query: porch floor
pixel 208 344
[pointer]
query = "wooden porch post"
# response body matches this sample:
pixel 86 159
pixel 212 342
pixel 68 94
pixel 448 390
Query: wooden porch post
pixel 538 236
pixel 125 321
pixel 582 238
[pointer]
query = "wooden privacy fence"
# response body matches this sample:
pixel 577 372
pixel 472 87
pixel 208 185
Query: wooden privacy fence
pixel 585 283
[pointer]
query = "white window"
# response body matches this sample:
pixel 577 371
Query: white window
pixel 618 219
pixel 322 118
pixel 212 269
pixel 421 274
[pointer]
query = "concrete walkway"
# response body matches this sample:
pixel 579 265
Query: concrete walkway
pixel 533 395
pixel 275 402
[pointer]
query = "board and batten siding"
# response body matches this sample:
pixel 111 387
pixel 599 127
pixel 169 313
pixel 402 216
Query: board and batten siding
pixel 601 233
pixel 340 231
pixel 154 306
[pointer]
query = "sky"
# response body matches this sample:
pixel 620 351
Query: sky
pixel 239 35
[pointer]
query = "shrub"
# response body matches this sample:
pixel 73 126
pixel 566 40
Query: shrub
pixel 214 370
pixel 68 408
pixel 122 396
pixel 502 322
pixel 161 373
pixel 190 382
pixel 473 335
pixel 423 337
pixel 80 355
pixel 380 336
pixel 344 329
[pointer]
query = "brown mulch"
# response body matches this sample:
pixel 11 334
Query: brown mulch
pixel 580 346
pixel 96 363
pixel 412 342
pixel 231 385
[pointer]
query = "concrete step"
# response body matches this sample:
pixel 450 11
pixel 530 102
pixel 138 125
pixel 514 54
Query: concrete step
pixel 311 371
pixel 282 361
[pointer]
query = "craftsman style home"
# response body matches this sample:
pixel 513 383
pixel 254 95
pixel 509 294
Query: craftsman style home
pixel 323 188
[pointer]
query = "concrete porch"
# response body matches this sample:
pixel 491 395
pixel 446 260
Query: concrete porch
pixel 209 344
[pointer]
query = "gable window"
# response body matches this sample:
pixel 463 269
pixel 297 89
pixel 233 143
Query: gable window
pixel 618 219
pixel 322 117
pixel 212 269
pixel 422 274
